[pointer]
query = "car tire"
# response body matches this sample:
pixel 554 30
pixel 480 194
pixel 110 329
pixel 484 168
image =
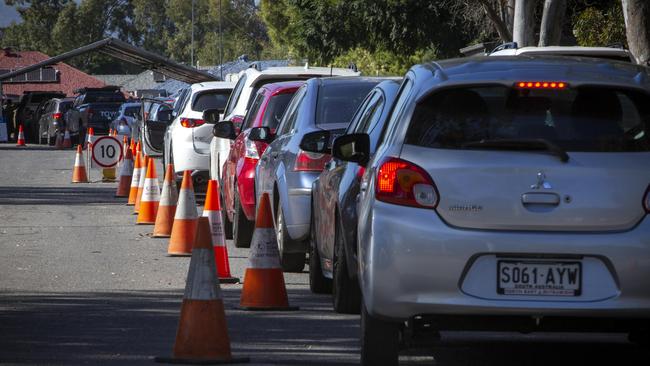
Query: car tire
pixel 346 295
pixel 318 283
pixel 379 341
pixel 290 262
pixel 242 229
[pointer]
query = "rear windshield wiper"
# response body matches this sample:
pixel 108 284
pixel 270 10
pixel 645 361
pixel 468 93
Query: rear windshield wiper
pixel 520 144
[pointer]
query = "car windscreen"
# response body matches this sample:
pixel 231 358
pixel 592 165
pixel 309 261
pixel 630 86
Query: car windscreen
pixel 337 102
pixel 275 110
pixel 132 111
pixel 103 97
pixel 210 100
pixel 593 119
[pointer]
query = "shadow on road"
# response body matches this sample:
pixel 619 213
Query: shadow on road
pixel 77 195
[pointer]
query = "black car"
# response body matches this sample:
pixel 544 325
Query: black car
pixel 332 258
pixel 29 109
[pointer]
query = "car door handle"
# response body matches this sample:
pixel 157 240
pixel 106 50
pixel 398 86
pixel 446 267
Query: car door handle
pixel 551 199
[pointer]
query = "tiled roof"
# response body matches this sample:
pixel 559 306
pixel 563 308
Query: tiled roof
pixel 70 78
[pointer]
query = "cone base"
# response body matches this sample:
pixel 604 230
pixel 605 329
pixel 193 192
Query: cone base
pixel 264 289
pixel 145 223
pixel 130 204
pixel 160 235
pixel 187 361
pixel 179 254
pixel 228 280
pixel 254 308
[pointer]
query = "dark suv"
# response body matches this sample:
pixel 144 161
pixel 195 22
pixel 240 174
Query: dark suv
pixel 96 108
pixel 27 112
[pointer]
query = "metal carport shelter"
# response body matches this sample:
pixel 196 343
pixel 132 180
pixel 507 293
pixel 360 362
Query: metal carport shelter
pixel 125 52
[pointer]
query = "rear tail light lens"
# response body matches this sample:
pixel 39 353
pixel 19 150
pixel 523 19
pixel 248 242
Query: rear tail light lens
pixel 646 200
pixel 57 115
pixel 404 183
pixel 310 162
pixel 541 85
pixel 251 150
pixel 191 122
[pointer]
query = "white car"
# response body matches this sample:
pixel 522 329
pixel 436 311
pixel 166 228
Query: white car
pixel 249 82
pixel 609 53
pixel 187 140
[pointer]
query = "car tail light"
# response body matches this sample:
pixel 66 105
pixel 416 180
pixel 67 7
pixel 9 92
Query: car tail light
pixel 310 162
pixel 251 150
pixel 646 200
pixel 57 115
pixel 404 183
pixel 541 84
pixel 191 122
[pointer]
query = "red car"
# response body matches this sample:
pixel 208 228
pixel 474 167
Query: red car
pixel 238 175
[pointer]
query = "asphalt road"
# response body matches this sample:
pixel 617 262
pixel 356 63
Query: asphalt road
pixel 80 283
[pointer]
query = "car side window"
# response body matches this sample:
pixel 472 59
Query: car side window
pixel 358 115
pixel 398 108
pixel 252 113
pixel 291 114
pixel 372 113
pixel 234 96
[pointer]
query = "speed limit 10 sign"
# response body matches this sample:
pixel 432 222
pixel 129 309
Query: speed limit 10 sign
pixel 107 151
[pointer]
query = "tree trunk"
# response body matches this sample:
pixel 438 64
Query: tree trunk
pixel 523 24
pixel 637 25
pixel 497 20
pixel 510 14
pixel 550 31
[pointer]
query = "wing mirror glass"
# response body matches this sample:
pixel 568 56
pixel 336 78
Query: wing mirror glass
pixel 316 142
pixel 262 134
pixel 354 147
pixel 225 130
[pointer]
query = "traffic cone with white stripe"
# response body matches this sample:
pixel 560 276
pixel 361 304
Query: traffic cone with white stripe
pixel 90 138
pixel 143 177
pixel 185 219
pixel 212 210
pixel 202 335
pixel 150 196
pixel 167 206
pixel 126 174
pixel 79 171
pixel 67 141
pixel 264 287
pixel 135 179
pixel 21 137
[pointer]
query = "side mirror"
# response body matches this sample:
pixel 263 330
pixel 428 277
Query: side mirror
pixel 212 115
pixel 316 142
pixel 165 116
pixel 225 130
pixel 262 134
pixel 354 147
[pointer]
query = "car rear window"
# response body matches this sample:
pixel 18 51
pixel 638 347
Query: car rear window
pixel 338 102
pixel 103 97
pixel 64 106
pixel 210 100
pixel 275 109
pixel 595 119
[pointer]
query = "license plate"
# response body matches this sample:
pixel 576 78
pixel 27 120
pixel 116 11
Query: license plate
pixel 539 278
pixel 107 114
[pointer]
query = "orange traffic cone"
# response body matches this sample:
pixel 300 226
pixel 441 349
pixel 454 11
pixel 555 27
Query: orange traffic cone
pixel 212 210
pixel 79 171
pixel 125 147
pixel 135 180
pixel 143 176
pixel 21 137
pixel 264 287
pixel 67 141
pixel 126 175
pixel 184 227
pixel 150 196
pixel 202 335
pixel 90 137
pixel 167 206
pixel 132 147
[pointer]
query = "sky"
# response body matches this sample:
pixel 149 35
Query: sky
pixel 7 14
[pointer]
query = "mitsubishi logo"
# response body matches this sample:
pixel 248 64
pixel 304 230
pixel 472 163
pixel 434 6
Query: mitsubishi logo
pixel 541 182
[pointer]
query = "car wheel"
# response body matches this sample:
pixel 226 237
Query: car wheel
pixel 242 229
pixel 346 295
pixel 379 341
pixel 291 262
pixel 318 283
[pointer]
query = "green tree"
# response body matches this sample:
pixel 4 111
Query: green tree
pixel 600 27
pixel 35 31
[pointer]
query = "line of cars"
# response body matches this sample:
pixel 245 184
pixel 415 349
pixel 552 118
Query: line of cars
pixel 493 193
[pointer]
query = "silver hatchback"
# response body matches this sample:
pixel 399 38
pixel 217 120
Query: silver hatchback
pixel 507 194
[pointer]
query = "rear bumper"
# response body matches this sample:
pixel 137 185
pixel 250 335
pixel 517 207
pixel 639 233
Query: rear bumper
pixel 411 263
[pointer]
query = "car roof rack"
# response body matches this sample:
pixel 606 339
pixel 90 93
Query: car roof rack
pixel 505 46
